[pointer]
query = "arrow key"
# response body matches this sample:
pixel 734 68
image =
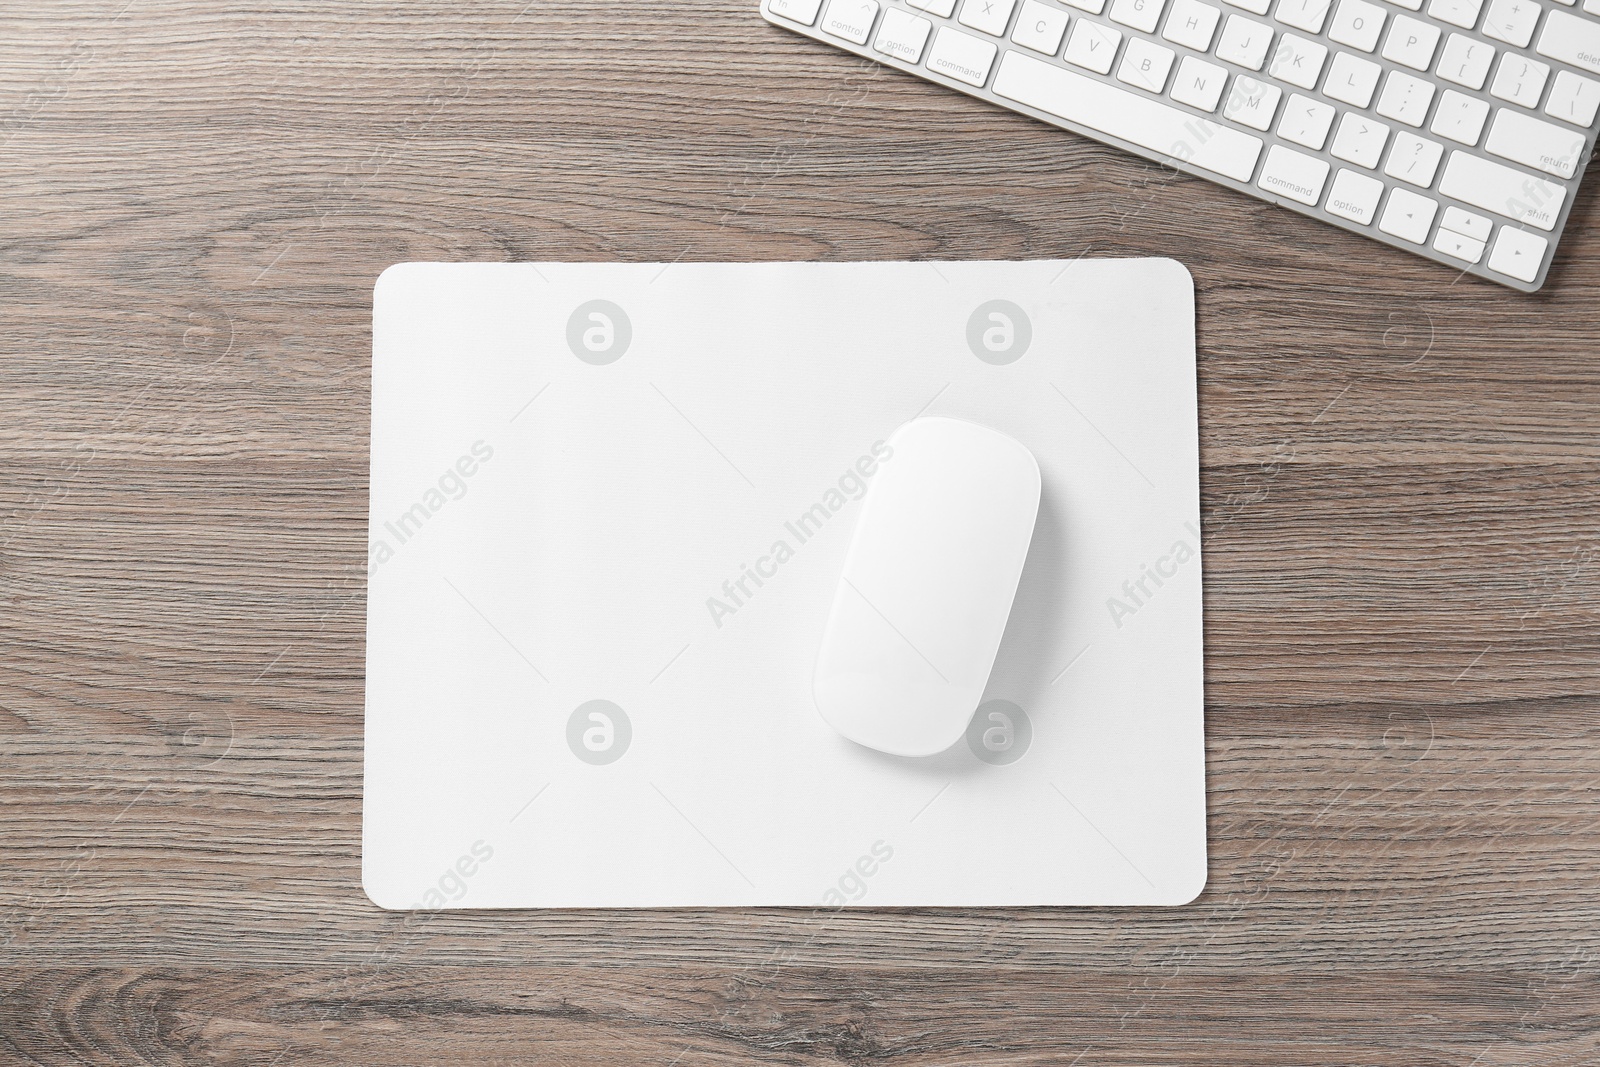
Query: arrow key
pixel 1408 216
pixel 1458 245
pixel 1518 254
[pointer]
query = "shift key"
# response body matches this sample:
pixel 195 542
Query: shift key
pixel 1186 136
pixel 1513 194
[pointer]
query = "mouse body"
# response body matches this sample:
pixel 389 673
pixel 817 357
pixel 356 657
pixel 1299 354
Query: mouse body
pixel 927 586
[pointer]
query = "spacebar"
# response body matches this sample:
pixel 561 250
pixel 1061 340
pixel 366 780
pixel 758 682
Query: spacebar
pixel 1188 138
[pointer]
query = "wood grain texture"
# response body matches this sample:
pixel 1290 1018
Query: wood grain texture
pixel 1401 493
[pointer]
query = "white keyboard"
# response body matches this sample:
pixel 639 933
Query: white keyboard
pixel 1459 132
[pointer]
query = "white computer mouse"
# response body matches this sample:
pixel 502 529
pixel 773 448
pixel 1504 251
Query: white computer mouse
pixel 927 586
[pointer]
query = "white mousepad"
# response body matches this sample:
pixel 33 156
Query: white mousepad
pixel 610 503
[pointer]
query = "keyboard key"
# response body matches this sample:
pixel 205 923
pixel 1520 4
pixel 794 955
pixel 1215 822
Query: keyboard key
pixel 1252 103
pixel 1131 116
pixel 1511 21
pixel 1571 40
pixel 1515 194
pixel 1465 61
pixel 1308 15
pixel 1199 84
pixel 1460 117
pixel 1306 122
pixel 1145 65
pixel 1141 15
pixel 1298 61
pixel 1519 80
pixel 1535 143
pixel 943 8
pixel 1518 253
pixel 802 11
pixel 1244 43
pixel 850 19
pixel 1357 24
pixel 1409 5
pixel 962 56
pixel 1458 245
pixel 1411 42
pixel 1573 99
pixel 1093 7
pixel 1354 196
pixel 1466 223
pixel 1351 80
pixel 1414 159
pixel 987 16
pixel 1408 216
pixel 1040 27
pixel 1360 140
pixel 902 35
pixel 1192 24
pixel 1093 46
pixel 1255 7
pixel 1294 175
pixel 1405 98
pixel 1463 13
pixel 1462 235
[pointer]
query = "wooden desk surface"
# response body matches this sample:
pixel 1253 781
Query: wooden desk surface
pixel 1402 511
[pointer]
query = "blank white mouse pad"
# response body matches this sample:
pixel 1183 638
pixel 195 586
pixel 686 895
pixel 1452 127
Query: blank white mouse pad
pixel 610 503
